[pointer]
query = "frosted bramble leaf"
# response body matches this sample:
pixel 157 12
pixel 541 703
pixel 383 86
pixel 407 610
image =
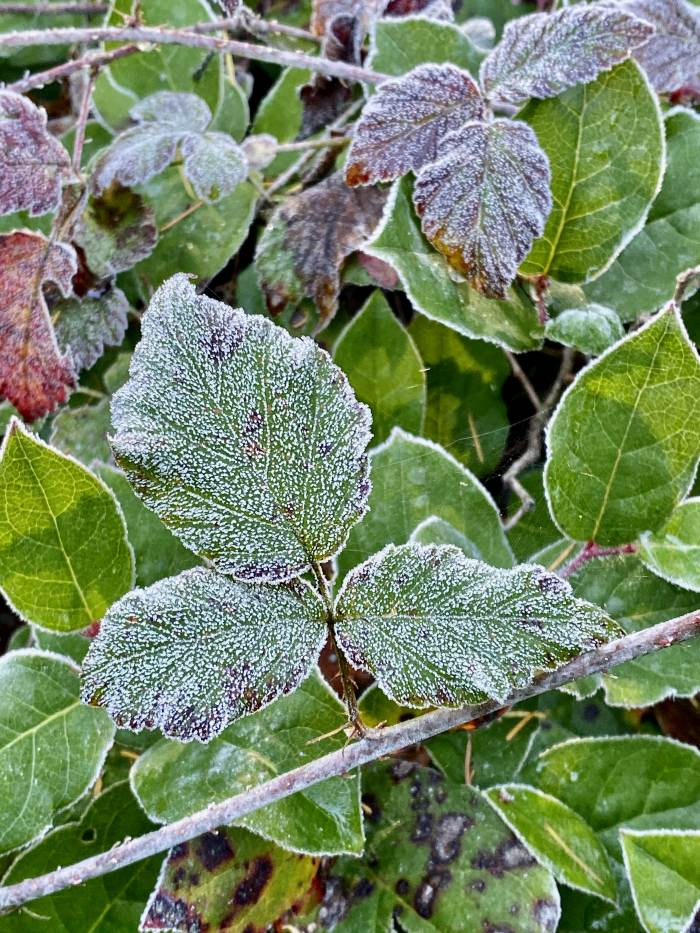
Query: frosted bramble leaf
pixel 671 57
pixel 34 375
pixel 116 230
pixel 214 164
pixel 543 54
pixel 192 653
pixel 403 124
pixel 484 202
pixel 88 325
pixel 436 628
pixel 33 164
pixel 248 443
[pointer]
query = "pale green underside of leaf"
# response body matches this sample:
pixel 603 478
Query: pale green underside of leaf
pixel 623 446
pixel 673 552
pixel 64 555
pixel 605 143
pixel 51 746
pixel 435 291
pixel 414 479
pixel 398 45
pixel 173 780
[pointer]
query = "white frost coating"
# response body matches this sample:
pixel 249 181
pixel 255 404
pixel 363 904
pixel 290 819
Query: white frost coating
pixel 543 54
pixel 404 123
pixel 193 652
pixel 248 443
pixel 485 202
pixel 671 57
pixel 439 629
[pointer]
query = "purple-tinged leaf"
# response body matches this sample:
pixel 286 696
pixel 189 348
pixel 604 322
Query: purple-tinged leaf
pixel 403 125
pixel 543 54
pixel 433 9
pixel 671 57
pixel 90 324
pixel 116 230
pixel 33 164
pixel 483 203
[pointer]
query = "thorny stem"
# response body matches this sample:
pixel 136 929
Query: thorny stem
pixel 32 9
pixel 306 144
pixel 592 550
pixel 377 744
pixel 81 121
pixel 91 60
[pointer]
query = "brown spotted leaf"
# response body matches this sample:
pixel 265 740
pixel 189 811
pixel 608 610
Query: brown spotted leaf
pixel 403 125
pixel 192 653
pixel 33 164
pixel 116 230
pixel 230 880
pixel 543 54
pixel 671 57
pixel 303 247
pixel 485 201
pixel 34 375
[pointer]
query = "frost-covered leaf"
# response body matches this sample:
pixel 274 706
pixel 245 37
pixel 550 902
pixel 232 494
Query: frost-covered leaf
pixel 403 125
pixel 51 746
pixel 623 446
pixel 191 653
pixel 557 836
pixel 671 56
pixel 214 163
pixel 116 900
pixel 34 375
pixel 438 858
pixel 673 552
pixel 33 163
pixel 398 45
pixel 590 329
pixel 663 867
pixel 82 432
pixel 433 290
pixel 86 326
pixel 481 630
pixel 248 443
pixel 173 780
pixel 605 145
pixel 485 201
pixel 116 230
pixel 384 368
pixel 64 557
pixel 307 239
pixel 544 54
pixel 230 879
pixel 414 479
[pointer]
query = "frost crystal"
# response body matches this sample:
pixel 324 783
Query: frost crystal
pixel 248 443
pixel 671 57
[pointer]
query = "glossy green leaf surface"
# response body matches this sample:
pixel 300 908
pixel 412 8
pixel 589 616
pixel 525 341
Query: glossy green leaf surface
pixel 673 552
pixel 623 445
pixel 398 45
pixel 64 556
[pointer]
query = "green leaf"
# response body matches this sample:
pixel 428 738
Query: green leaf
pixel 557 837
pixel 229 880
pixel 384 368
pixel 248 443
pixel 466 412
pixel 590 329
pixel 110 904
pixel 623 445
pixel 414 479
pixel 192 653
pixel 73 645
pixel 280 114
pixel 173 780
pixel 605 143
pixel 116 230
pixel 64 555
pixel 673 552
pixel 82 432
pixel 436 530
pixel 535 530
pixel 437 858
pixel 399 44
pixel 664 872
pixel 51 746
pixel 481 630
pixel 87 326
pixel 644 275
pixel 434 290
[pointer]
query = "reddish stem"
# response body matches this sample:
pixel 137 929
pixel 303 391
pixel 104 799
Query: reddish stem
pixel 592 550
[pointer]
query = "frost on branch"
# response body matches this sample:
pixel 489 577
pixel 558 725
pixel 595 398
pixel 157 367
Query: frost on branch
pixel 192 653
pixel 404 123
pixel 248 443
pixel 484 202
pixel 439 629
pixel 168 122
pixel 671 57
pixel 543 54
pixel 33 164
pixel 34 375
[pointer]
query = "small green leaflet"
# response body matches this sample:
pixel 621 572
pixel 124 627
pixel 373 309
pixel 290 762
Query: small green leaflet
pixel 248 443
pixel 436 530
pixel 51 746
pixel 436 628
pixel 82 432
pixel 673 552
pixel 590 329
pixel 193 652
pixel 663 867
pixel 623 445
pixel 173 780
pixel 399 44
pixel 64 555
